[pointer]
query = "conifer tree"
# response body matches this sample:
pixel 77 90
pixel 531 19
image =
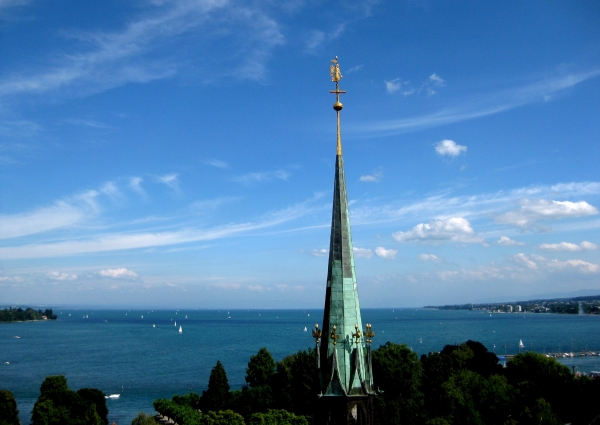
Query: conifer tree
pixel 261 368
pixel 216 397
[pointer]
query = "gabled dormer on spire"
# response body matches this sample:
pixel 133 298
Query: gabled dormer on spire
pixel 344 358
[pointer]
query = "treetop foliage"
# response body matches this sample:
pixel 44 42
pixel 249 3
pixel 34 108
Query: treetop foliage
pixel 9 415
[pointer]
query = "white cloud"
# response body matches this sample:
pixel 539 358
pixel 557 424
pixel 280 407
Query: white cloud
pixel 217 163
pixel 206 205
pixel 372 178
pixel 127 240
pixel 524 260
pixel 580 265
pixel 135 183
pixel 437 80
pixel 567 246
pixel 315 40
pixel 388 254
pixel 540 209
pixel 355 69
pixel 455 229
pixel 262 177
pixel 120 273
pixel 171 180
pixel 62 214
pixel 449 148
pixel 319 252
pixel 535 262
pixel 148 49
pixel 61 276
pixel 362 252
pixel 393 85
pixel 429 257
pixel 478 106
pixel 506 241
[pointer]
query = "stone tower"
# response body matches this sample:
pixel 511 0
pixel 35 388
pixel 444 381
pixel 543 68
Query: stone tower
pixel 344 355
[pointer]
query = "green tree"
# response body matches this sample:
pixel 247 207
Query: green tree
pixel 222 417
pixel 9 415
pixel 539 377
pixel 261 368
pixel 144 419
pixel 295 385
pixel 58 405
pixel 277 417
pixel 216 397
pixel 97 398
pixel 397 372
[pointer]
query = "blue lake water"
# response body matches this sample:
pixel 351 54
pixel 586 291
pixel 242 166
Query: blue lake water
pixel 118 351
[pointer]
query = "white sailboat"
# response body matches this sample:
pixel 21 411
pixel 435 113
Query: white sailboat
pixel 305 329
pixel 175 323
pixel 180 330
pixel 521 345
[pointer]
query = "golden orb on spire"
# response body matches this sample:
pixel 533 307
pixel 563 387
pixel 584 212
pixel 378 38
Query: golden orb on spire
pixel 338 106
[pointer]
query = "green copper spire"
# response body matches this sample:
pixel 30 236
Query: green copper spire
pixel 344 356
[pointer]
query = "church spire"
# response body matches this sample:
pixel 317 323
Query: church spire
pixel 344 355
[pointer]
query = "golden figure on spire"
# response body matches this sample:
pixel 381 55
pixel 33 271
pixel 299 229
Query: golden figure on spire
pixel 336 76
pixel 334 70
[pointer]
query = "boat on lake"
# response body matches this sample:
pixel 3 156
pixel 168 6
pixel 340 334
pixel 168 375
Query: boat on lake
pixel 180 330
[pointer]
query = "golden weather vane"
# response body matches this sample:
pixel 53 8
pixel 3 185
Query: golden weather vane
pixel 336 76
pixel 334 70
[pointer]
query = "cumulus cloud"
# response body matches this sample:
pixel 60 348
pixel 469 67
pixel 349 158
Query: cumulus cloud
pixel 524 260
pixel 449 148
pixel 455 229
pixel 540 209
pixel 362 252
pixel 387 254
pixel 537 261
pixel 372 178
pixel 121 273
pixel 319 252
pixel 506 241
pixel 567 246
pixel 429 257
pixel 580 265
pixel 61 276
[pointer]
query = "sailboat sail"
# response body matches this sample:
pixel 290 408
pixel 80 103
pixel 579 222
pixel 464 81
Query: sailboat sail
pixel 521 344
pixel 180 330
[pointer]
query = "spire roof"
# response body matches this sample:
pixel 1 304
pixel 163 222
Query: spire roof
pixel 344 357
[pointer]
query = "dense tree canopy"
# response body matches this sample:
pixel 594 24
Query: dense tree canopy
pixel 9 415
pixel 58 405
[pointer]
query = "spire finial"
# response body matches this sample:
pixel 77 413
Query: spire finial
pixel 336 76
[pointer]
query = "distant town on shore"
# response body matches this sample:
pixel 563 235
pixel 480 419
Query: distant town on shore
pixel 576 305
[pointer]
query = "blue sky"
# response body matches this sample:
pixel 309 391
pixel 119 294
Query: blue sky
pixel 181 153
